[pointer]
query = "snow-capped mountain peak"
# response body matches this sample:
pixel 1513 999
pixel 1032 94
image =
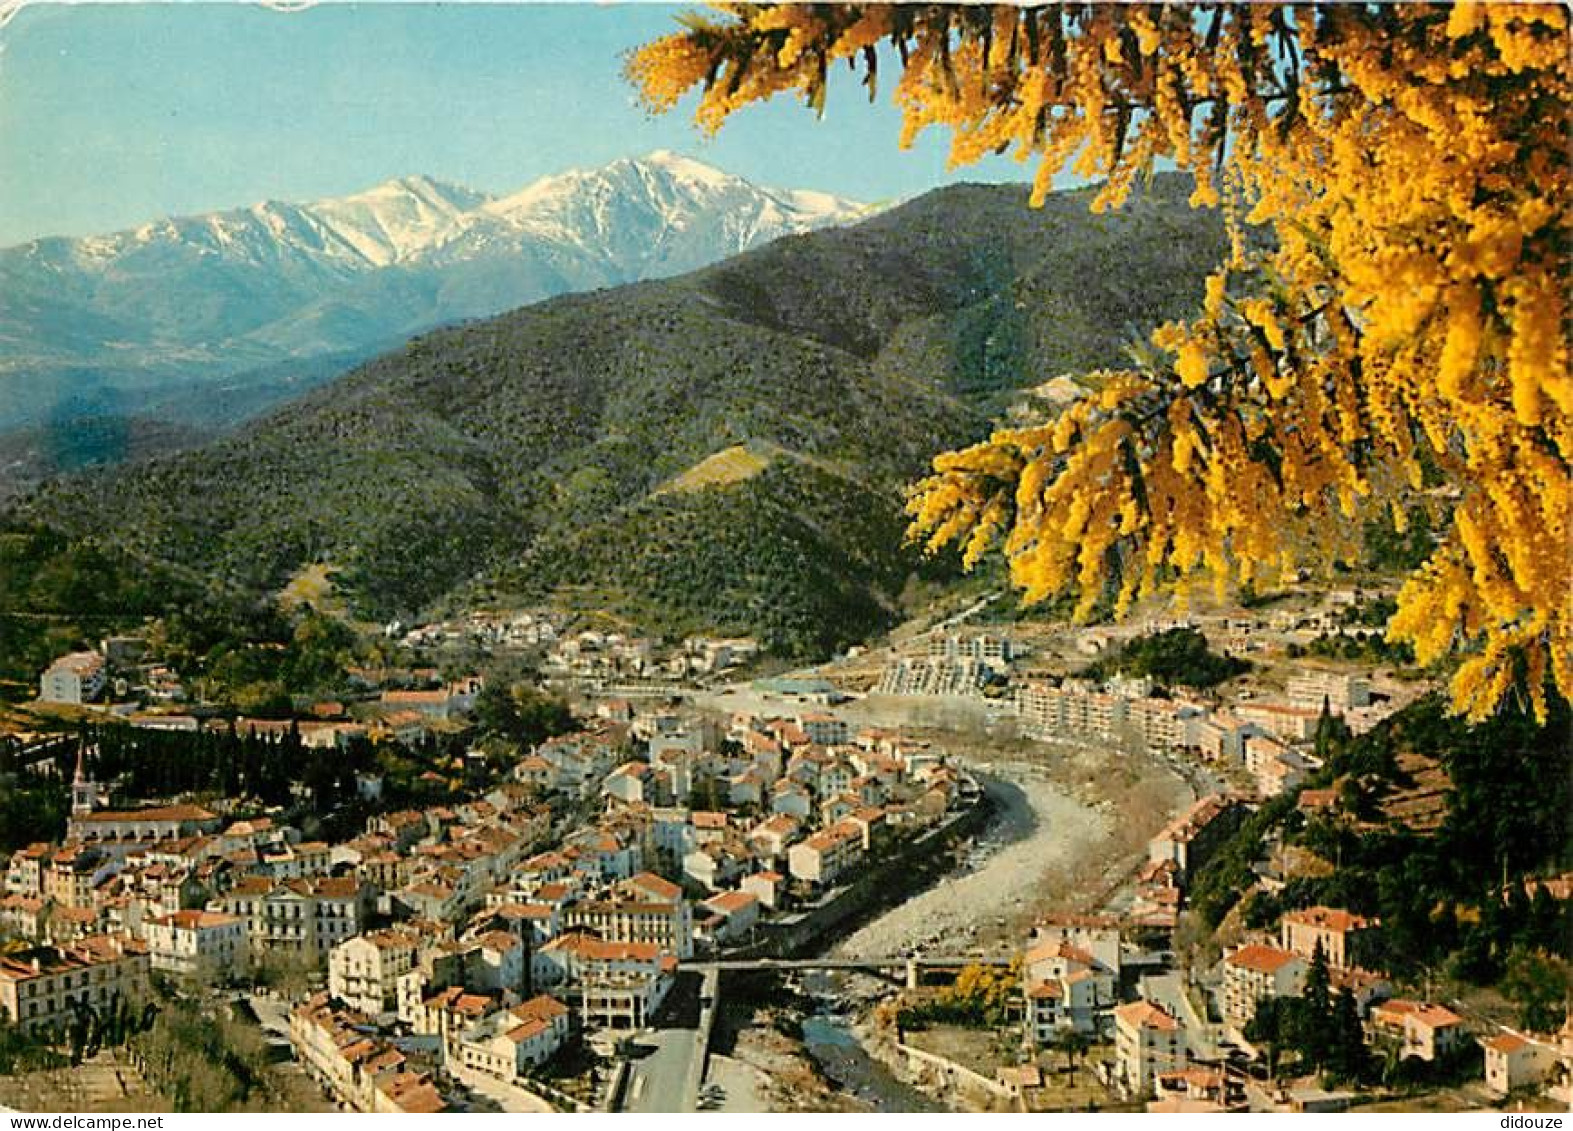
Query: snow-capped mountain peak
pixel 664 211
pixel 247 287
pixel 398 219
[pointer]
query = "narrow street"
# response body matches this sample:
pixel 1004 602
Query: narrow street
pixel 658 1079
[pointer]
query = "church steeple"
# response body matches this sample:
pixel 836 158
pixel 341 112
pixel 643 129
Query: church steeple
pixel 84 791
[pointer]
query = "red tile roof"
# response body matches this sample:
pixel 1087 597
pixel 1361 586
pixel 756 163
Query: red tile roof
pixel 1146 1015
pixel 1262 959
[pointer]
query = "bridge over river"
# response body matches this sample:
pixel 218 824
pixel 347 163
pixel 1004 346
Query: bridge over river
pixel 908 964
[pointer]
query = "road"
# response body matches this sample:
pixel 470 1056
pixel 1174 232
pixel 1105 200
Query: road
pixel 272 1014
pixel 508 1097
pixel 658 1081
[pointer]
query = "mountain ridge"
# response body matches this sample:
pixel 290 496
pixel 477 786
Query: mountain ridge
pixel 99 325
pixel 523 456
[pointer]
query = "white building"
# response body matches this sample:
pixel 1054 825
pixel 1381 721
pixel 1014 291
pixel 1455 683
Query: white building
pixel 1147 1042
pixel 507 1044
pixel 77 677
pixel 209 945
pixel 824 857
pixel 736 914
pixel 611 985
pixel 1065 988
pixel 1341 692
pixel 1255 973
pixel 1423 1030
pixel 364 972
pixel 1514 1061
pixel 297 919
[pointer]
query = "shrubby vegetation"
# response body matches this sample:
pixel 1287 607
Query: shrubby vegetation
pixel 59 593
pixel 31 811
pixel 159 763
pixel 1178 656
pixel 521 713
pixel 1365 646
pixel 1321 1027
pixel 20 1053
pixel 980 997
pixel 205 1063
pixel 803 559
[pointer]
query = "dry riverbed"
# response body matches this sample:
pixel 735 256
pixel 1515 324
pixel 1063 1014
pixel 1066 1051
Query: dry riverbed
pixel 1070 828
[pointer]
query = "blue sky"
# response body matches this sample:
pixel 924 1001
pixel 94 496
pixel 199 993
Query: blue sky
pixel 113 114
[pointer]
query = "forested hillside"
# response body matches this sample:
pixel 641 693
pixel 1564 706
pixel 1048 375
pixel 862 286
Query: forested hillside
pixel 526 451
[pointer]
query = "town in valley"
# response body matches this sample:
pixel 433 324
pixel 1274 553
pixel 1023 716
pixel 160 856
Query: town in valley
pixel 1029 574
pixel 699 883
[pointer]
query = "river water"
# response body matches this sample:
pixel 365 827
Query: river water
pixel 840 1055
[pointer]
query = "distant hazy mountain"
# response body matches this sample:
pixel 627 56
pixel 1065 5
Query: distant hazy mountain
pixel 724 450
pixel 148 319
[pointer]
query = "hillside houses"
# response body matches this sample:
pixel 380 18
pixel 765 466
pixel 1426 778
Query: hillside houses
pixel 364 1073
pixel 76 678
pixel 1346 940
pixel 1191 839
pixel 1253 974
pixel 1066 987
pixel 1148 1042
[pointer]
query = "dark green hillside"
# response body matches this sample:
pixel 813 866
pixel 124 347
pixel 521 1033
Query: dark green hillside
pixel 972 290
pixel 807 560
pixel 523 450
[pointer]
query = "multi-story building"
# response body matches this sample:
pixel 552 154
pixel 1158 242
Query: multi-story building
pixel 362 1072
pixel 767 887
pixel 1097 935
pixel 1422 1030
pixel 1340 692
pixel 823 729
pixel 206 945
pixel 77 677
pixel 1292 724
pixel 1254 973
pixel 25 876
pixel 74 873
pixel 1276 767
pixel 666 924
pixel 729 916
pixel 364 971
pixel 508 1043
pixel 1347 940
pixel 824 857
pixel 1066 987
pixel 933 677
pixel 992 652
pixel 41 987
pixel 1514 1061
pixel 301 919
pixel 1191 838
pixel 1042 709
pixel 23 916
pixel 1160 723
pixel 125 828
pixel 1148 1041
pixel 610 985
